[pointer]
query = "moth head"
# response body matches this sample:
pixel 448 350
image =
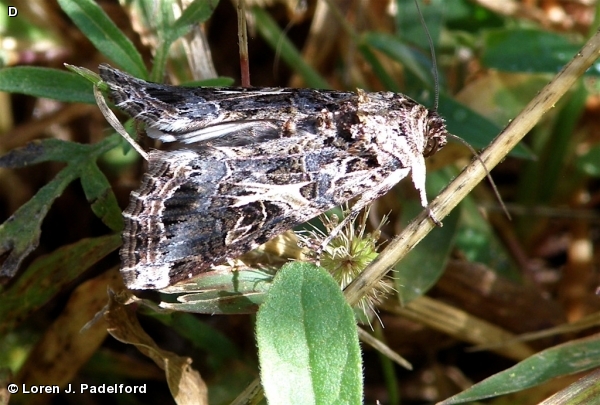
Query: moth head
pixel 436 134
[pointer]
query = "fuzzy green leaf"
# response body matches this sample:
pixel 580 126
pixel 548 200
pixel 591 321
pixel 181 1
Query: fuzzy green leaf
pixel 307 341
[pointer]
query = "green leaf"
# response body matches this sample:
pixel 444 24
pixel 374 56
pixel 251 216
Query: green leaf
pixel 235 292
pixel 47 83
pixel 478 241
pixel 307 340
pixel 475 129
pixel 105 35
pixel 551 179
pixel 163 19
pixel 589 162
pixel 44 150
pixel 48 275
pixel 567 358
pixel 398 50
pixel 378 68
pixel 87 74
pixel 221 81
pixel 196 13
pixel 466 16
pixel 584 391
pixel 538 51
pixel 558 151
pixel 20 234
pixel 219 303
pixel 409 24
pixel 270 31
pixel 99 193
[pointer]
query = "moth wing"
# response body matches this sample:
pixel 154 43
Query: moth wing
pixel 234 133
pixel 197 114
pixel 194 210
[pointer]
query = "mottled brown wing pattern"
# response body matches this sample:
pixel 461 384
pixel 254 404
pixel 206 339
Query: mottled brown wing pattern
pixel 280 158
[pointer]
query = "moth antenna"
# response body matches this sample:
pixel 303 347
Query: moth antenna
pixel 436 82
pixel 243 41
pixel 436 79
pixel 115 123
pixel 487 173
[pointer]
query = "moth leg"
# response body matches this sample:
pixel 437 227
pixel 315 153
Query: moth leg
pixel 418 178
pixel 358 206
pixel 371 195
pixel 355 210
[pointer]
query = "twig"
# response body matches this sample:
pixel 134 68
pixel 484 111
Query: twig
pixel 243 43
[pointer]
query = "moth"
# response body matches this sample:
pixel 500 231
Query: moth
pixel 251 163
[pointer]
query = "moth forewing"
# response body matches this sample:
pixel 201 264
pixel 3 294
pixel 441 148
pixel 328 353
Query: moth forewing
pixel 255 163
